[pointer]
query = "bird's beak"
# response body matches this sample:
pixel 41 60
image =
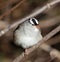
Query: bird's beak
pixel 38 26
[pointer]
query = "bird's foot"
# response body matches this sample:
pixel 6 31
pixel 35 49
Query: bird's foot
pixel 26 52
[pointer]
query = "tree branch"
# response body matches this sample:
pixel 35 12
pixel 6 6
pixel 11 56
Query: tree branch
pixel 12 9
pixel 38 11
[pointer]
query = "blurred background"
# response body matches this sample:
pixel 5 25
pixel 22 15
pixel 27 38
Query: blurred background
pixel 49 20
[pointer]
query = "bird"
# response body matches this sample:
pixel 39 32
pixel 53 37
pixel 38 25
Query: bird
pixel 27 34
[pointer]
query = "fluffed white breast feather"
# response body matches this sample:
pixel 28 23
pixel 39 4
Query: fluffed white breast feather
pixel 27 35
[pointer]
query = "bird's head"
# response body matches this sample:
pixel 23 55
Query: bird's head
pixel 34 22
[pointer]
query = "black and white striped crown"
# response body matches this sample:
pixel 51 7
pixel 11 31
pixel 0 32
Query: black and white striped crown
pixel 33 21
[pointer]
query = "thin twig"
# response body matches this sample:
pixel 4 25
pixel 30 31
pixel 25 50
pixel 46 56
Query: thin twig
pixel 12 9
pixel 43 46
pixel 53 52
pixel 38 11
pixel 8 2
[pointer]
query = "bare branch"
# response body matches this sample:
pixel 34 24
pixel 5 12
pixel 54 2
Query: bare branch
pixel 38 11
pixel 12 9
pixel 53 52
pixel 49 22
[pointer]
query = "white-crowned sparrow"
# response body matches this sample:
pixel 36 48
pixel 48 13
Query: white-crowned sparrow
pixel 28 34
